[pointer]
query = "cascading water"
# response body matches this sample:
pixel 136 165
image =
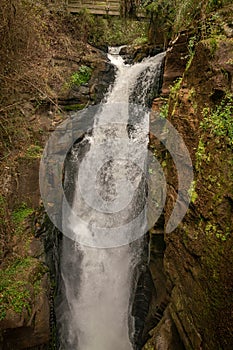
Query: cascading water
pixel 98 274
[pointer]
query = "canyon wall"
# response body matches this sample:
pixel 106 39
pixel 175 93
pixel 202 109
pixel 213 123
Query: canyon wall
pixel 198 256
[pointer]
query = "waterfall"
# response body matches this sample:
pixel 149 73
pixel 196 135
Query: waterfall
pixel 98 269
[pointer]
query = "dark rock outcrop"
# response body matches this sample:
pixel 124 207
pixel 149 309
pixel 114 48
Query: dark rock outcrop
pixel 175 62
pixel 93 91
pixel 133 54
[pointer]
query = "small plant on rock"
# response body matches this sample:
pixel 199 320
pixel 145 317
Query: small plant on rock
pixel 81 77
pixel 219 120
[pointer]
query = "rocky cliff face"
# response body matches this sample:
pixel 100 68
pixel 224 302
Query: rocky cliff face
pixel 28 255
pixel 198 256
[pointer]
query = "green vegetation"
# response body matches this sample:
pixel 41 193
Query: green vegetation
pixel 33 152
pixel 140 40
pixel 192 192
pixel 230 61
pixel 81 77
pixel 114 31
pixel 191 50
pixel 175 88
pixel 218 120
pixel 74 107
pixel 19 216
pixel 213 42
pixel 121 32
pixel 164 109
pixel 191 94
pixel 191 45
pixel 201 155
pixel 213 46
pixel 16 291
pixel 20 277
pixel 213 229
pixel 149 347
pixel 101 31
pixel 12 291
pixel 173 96
pixel 150 171
pixel 172 17
pixel 189 62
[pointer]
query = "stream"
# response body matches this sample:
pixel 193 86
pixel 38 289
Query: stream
pixel 105 184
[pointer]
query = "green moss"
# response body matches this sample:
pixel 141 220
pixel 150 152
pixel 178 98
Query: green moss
pixel 192 193
pixel 18 217
pixel 140 40
pixel 212 229
pixel 74 107
pixel 33 152
pixel 218 121
pixel 15 280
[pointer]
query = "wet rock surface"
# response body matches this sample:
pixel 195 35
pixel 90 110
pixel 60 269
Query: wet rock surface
pixel 133 54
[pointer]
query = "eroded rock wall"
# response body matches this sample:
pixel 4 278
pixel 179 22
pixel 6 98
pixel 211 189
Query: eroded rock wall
pixel 198 256
pixel 29 260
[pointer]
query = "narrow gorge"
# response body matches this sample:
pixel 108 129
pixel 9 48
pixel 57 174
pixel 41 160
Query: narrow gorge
pixel 114 276
pixel 98 271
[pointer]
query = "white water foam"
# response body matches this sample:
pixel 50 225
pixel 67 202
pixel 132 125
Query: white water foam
pixel 98 313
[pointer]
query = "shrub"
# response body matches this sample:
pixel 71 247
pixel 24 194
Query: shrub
pixel 219 120
pixel 82 76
